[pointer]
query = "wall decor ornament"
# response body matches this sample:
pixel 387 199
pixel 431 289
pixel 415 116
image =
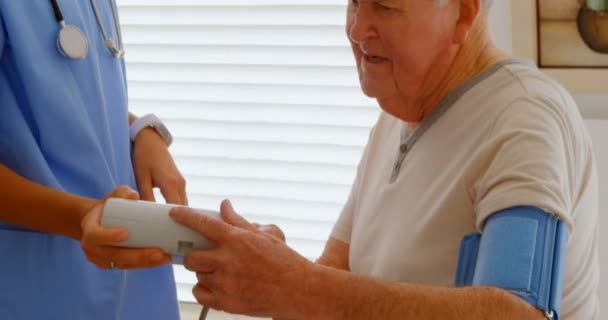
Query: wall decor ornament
pixel 572 33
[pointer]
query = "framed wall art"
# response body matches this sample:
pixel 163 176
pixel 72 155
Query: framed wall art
pixel 572 33
pixel 568 39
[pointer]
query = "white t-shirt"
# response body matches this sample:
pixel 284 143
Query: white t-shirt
pixel 510 137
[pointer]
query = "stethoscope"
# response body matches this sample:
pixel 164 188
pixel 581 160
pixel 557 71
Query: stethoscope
pixel 72 42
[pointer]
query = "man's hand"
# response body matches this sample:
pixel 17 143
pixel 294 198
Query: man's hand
pixel 154 167
pixel 250 271
pixel 97 241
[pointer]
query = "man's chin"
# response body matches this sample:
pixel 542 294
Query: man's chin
pixel 375 91
pixel 396 108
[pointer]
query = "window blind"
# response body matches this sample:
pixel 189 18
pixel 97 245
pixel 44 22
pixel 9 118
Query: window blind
pixel 263 99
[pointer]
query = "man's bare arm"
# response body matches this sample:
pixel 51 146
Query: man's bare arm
pixel 254 273
pixel 335 255
pixel 333 294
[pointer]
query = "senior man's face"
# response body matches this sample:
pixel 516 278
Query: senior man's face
pixel 397 43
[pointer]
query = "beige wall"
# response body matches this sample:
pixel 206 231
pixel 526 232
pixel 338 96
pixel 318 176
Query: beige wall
pixel 595 108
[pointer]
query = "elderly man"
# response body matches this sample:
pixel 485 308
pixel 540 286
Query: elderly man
pixel 469 141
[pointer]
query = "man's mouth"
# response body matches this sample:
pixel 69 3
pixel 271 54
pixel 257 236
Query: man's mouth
pixel 375 59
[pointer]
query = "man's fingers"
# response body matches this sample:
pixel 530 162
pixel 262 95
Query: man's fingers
pixel 202 261
pixel 209 281
pixel 213 229
pixel 231 217
pixel 200 276
pixel 204 296
pixel 273 230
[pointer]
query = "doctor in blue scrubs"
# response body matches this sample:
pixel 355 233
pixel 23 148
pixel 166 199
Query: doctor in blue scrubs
pixel 67 142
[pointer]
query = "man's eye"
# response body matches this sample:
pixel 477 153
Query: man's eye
pixel 384 7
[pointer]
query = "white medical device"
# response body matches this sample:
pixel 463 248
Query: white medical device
pixel 72 42
pixel 150 226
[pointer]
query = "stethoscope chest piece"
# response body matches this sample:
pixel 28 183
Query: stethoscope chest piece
pixel 72 43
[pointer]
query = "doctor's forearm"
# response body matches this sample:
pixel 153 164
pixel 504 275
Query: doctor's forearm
pixel 31 205
pixel 333 294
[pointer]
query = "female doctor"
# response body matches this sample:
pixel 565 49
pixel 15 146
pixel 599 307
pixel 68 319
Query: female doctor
pixel 67 142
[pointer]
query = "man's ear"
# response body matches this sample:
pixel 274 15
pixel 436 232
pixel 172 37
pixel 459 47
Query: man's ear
pixel 468 15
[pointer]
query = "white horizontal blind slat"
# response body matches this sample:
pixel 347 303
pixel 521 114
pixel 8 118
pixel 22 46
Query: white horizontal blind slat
pixel 236 35
pixel 343 116
pixel 263 99
pixel 226 15
pixel 228 73
pixel 239 54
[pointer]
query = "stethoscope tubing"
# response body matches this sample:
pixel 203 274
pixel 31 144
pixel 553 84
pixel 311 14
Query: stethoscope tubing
pixel 73 43
pixel 57 11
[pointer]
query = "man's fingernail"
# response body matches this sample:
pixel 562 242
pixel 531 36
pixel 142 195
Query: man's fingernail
pixel 228 205
pixel 178 213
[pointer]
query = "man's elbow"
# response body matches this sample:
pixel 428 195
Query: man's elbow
pixel 507 305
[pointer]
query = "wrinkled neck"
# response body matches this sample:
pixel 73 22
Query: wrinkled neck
pixel 477 54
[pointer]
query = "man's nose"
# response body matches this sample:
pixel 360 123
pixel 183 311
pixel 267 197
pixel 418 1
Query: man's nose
pixel 359 25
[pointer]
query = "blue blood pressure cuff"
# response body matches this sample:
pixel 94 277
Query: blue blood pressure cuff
pixel 521 250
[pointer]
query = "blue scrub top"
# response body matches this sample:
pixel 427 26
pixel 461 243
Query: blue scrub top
pixel 64 124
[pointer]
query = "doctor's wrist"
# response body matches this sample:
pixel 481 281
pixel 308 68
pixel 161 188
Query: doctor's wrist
pixel 83 207
pixel 147 134
pixel 149 121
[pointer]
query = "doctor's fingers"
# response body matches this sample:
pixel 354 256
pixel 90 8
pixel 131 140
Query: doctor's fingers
pixel 93 234
pixel 173 188
pixel 127 258
pixel 91 222
pixel 144 183
pixel 124 192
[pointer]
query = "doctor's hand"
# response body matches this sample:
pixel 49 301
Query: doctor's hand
pixel 97 241
pixel 250 271
pixel 154 168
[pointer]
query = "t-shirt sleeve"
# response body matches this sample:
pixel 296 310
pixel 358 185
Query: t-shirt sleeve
pixel 529 160
pixel 344 225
